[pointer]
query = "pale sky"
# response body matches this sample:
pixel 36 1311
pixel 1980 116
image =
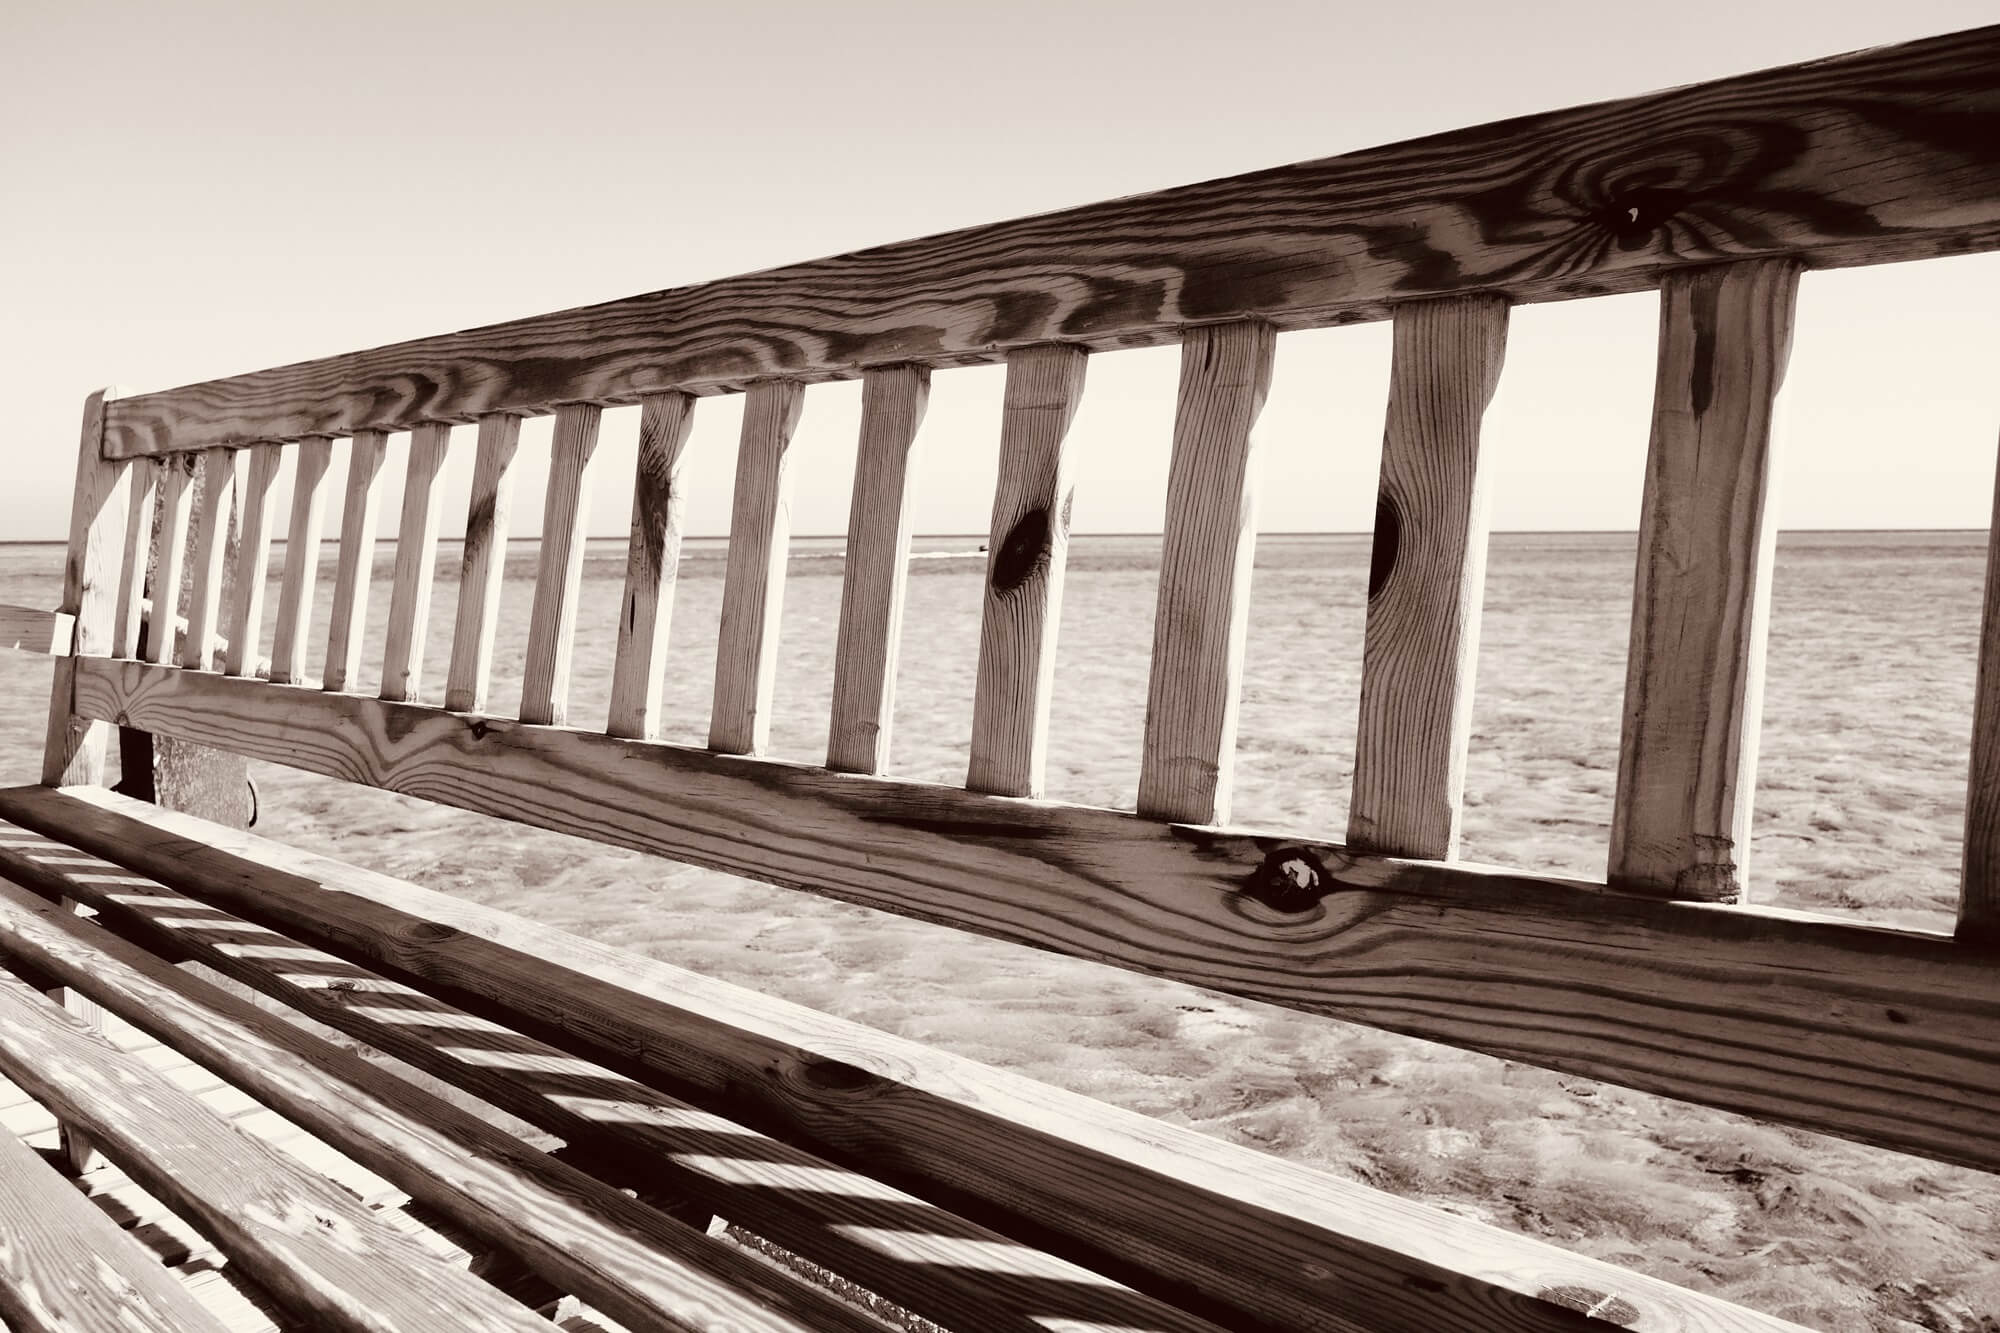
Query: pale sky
pixel 200 189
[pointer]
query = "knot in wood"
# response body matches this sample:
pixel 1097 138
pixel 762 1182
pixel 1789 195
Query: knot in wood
pixel 1597 1305
pixel 1388 543
pixel 1024 551
pixel 839 1076
pixel 1290 879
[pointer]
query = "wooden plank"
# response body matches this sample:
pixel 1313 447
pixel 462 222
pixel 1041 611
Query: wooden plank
pixel 253 559
pixel 221 479
pixel 652 558
pixel 893 399
pixel 1979 873
pixel 416 562
pixel 176 514
pixel 302 538
pixel 621 1130
pixel 1861 159
pixel 1205 558
pixel 1251 1240
pixel 307 1242
pixel 753 590
pixel 1890 1037
pixel 585 1236
pixel 129 618
pixel 72 1143
pixel 66 1267
pixel 1694 678
pixel 1027 552
pixel 484 567
pixel 1425 580
pixel 348 627
pixel 28 630
pixel 74 749
pixel 559 574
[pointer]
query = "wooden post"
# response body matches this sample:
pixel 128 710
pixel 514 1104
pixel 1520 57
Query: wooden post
pixel 753 589
pixel 559 575
pixel 652 559
pixel 483 565
pixel 1979 872
pixel 416 563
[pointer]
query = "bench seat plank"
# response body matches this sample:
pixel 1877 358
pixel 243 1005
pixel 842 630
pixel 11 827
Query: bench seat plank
pixel 1232 1234
pixel 642 1268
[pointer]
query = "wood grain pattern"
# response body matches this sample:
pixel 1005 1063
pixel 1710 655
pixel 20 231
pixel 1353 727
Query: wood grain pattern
pixel 176 516
pixel 253 558
pixel 559 575
pixel 1889 1037
pixel 753 590
pixel 66 1267
pixel 1027 552
pixel 128 620
pixel 1694 682
pixel 1255 1242
pixel 221 480
pixel 484 567
pixel 1866 158
pixel 303 1239
pixel 72 1143
pixel 623 1129
pixel 74 748
pixel 348 626
pixel 27 630
pixel 590 1239
pixel 652 559
pixel 1425 580
pixel 302 538
pixel 1979 867
pixel 893 400
pixel 1205 558
pixel 416 562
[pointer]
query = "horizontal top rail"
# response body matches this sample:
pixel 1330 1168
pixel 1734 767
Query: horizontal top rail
pixel 1867 158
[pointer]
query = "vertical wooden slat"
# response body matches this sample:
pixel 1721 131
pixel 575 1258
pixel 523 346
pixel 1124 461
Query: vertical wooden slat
pixel 1210 540
pixel 295 593
pixel 1687 760
pixel 221 480
pixel 484 566
pixel 130 613
pixel 416 562
pixel 357 559
pixel 73 753
pixel 253 558
pixel 651 560
pixel 176 516
pixel 1027 551
pixel 1425 579
pixel 1979 875
pixel 753 590
pixel 559 575
pixel 893 399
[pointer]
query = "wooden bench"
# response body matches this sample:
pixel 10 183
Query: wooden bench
pixel 562 1121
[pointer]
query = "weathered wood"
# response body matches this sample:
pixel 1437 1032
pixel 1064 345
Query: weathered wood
pixel 416 562
pixel 1257 1242
pixel 73 1144
pixel 484 565
pixel 1027 552
pixel 1694 677
pixel 1206 553
pixel 253 558
pixel 302 537
pixel 559 575
pixel 302 1238
pixel 753 590
pixel 587 1237
pixel 652 558
pixel 624 1129
pixel 1861 159
pixel 74 749
pixel 1889 1037
pixel 221 479
pixel 66 1267
pixel 130 615
pixel 27 630
pixel 177 491
pixel 348 627
pixel 1979 877
pixel 1425 580
pixel 893 399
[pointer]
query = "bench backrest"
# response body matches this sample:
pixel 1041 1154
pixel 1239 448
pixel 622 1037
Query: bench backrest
pixel 1660 977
